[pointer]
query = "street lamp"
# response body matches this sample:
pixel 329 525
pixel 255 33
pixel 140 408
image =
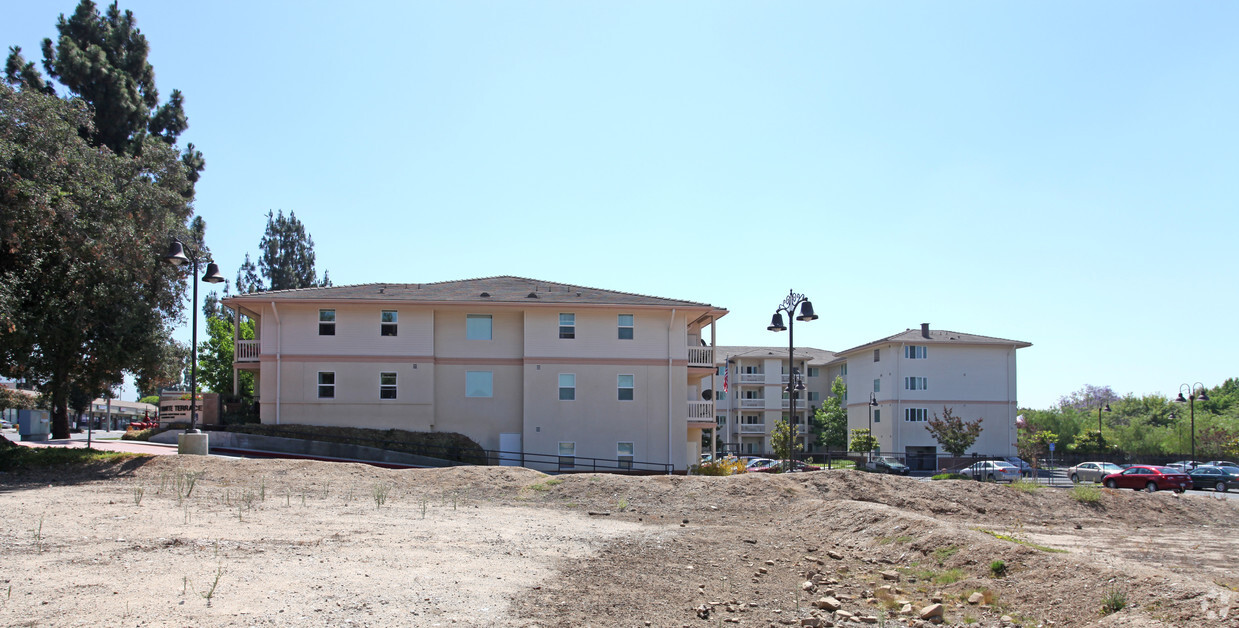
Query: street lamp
pixel 1099 411
pixel 176 256
pixel 873 403
pixel 1191 399
pixel 794 384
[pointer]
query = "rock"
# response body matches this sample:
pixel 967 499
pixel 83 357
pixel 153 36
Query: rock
pixel 931 611
pixel 703 611
pixel 807 585
pixel 828 603
pixel 868 619
pixel 890 575
pixel 770 562
pixel 835 555
pixel 906 610
pixel 976 598
pixel 811 622
pixel 1006 619
pixel 936 598
pixel 842 569
pixel 844 615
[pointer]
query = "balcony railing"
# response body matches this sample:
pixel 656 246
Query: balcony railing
pixel 752 428
pixel 701 411
pixel 246 351
pixel 752 403
pixel 752 378
pixel 701 356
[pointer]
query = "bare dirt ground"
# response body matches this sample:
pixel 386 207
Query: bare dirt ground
pixel 196 541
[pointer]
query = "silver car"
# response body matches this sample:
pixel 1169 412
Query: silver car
pixel 1092 471
pixel 992 471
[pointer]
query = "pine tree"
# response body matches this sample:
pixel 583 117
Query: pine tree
pixel 287 260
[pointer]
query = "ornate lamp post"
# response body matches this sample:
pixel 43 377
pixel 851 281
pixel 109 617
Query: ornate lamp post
pixel 1099 411
pixel 873 403
pixel 794 383
pixel 177 257
pixel 1191 399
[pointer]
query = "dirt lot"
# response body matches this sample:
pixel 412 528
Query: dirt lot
pixel 297 543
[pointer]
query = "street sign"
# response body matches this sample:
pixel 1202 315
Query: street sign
pixel 1051 446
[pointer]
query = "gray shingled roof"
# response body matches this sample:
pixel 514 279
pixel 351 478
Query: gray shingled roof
pixel 504 289
pixel 937 336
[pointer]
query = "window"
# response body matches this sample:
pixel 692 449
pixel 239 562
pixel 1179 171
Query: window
pixel 916 383
pixel 721 420
pixel 877 416
pixel 387 326
pixel 567 326
pixel 813 395
pixel 567 386
pixel 750 370
pixel 477 327
pixel 843 370
pixel 752 419
pixel 623 453
pixel 753 394
pixel 387 385
pixel 915 415
pixel 813 371
pixel 479 384
pixel 877 385
pixel 326 322
pixel 625 326
pixel 915 352
pixel 877 357
pixel 625 387
pixel 566 453
pixel 326 385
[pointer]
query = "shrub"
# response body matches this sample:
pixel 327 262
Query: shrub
pixel 998 568
pixel 950 476
pixel 722 466
pixel 1025 486
pixel 1086 494
pixel 1114 602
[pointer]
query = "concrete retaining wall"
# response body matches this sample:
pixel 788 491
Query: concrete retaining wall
pixel 242 443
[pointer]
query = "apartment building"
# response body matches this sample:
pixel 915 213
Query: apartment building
pixel 516 364
pixel 757 399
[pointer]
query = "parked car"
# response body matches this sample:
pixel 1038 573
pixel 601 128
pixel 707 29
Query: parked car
pixel 1220 479
pixel 5 425
pixel 1222 463
pixel 754 463
pixel 1026 469
pixel 887 464
pixel 992 471
pixel 1149 478
pixel 1092 471
pixel 1185 465
pixel 781 466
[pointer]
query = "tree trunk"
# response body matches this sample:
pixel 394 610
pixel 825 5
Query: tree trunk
pixel 60 415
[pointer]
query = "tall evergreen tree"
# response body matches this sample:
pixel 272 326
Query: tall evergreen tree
pixel 102 59
pixel 287 260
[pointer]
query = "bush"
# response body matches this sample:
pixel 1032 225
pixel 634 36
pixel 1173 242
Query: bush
pixel 724 466
pixel 1086 494
pixel 998 568
pixel 141 434
pixel 1025 486
pixel 1114 602
pixel 950 476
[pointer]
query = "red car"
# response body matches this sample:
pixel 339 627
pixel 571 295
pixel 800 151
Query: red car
pixel 1149 478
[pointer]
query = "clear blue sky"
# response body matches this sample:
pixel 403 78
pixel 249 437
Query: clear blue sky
pixel 1063 173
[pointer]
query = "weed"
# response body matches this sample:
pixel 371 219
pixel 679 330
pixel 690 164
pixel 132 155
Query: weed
pixel 622 505
pixel 186 513
pixel 423 508
pixel 941 554
pixel 38 536
pixel 900 540
pixel 1113 602
pixel 950 576
pixel 184 585
pixel 546 486
pixel 262 488
pixel 998 568
pixel 137 495
pixel 210 592
pixel 1086 494
pixel 288 497
pixel 303 498
pixel 1026 486
pixel 969 619
pixel 380 491
pixel 1013 539
pixel 950 476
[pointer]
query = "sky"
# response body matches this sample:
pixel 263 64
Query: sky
pixel 1061 173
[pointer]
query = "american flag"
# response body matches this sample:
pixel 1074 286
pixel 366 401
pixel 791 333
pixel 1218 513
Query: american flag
pixel 724 378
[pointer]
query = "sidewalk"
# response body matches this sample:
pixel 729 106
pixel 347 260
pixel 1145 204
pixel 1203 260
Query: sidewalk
pixel 128 446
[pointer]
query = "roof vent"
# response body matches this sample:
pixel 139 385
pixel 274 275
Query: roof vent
pixel 531 295
pixel 484 294
pixel 924 330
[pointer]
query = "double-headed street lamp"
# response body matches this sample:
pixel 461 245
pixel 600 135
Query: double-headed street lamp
pixel 794 383
pixel 176 256
pixel 1191 400
pixel 1099 411
pixel 873 403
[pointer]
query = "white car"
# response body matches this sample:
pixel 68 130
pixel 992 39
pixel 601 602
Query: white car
pixel 759 462
pixel 992 471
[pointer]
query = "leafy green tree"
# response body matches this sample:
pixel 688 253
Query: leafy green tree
pixel 953 433
pixel 830 422
pixel 102 59
pixel 783 439
pixel 863 441
pixel 151 399
pixel 1035 444
pixel 84 294
pixel 11 399
pixel 1091 441
pixel 216 354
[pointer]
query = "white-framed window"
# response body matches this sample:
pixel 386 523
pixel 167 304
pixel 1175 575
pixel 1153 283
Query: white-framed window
pixel 326 385
pixel 720 420
pixel 567 455
pixel 478 327
pixel 326 322
pixel 916 415
pixel 626 387
pixel 479 383
pixel 387 322
pixel 751 370
pixel 916 383
pixel 877 385
pixel 877 355
pixel 624 453
pixel 753 394
pixel 387 385
pixel 843 370
pixel 626 326
pixel 813 395
pixel 813 371
pixel 567 325
pixel 752 419
pixel 915 352
pixel 877 416
pixel 567 386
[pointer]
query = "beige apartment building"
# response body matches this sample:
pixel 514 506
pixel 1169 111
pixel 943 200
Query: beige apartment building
pixel 518 365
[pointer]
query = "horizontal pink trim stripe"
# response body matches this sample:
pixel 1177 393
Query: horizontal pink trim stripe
pixel 931 402
pixel 442 360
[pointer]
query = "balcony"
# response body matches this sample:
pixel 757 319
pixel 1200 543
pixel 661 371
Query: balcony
pixel 701 411
pixel 701 356
pixel 246 351
pixel 752 378
pixel 752 428
pixel 753 403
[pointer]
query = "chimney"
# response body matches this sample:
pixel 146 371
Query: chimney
pixel 924 330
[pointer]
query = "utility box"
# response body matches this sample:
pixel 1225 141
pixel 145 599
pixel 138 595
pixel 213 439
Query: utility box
pixel 34 424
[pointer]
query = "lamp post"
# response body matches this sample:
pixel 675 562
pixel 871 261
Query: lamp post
pixel 1099 411
pixel 789 306
pixel 177 257
pixel 1191 405
pixel 873 403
